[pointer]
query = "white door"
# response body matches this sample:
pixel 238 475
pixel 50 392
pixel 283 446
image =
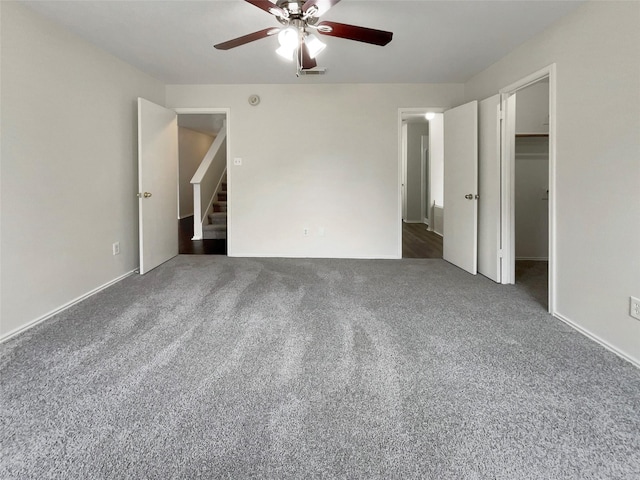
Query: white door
pixel 460 239
pixel 157 184
pixel 489 188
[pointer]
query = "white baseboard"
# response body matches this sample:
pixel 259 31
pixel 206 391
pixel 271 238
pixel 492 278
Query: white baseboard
pixel 534 259
pixel 181 217
pixel 277 255
pixel 597 339
pixel 73 302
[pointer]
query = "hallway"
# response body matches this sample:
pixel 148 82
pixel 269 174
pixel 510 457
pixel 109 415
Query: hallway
pixel 418 242
pixel 186 246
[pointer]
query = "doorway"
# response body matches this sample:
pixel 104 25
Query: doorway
pixel 196 135
pixel 421 181
pixel 528 172
pixel 531 187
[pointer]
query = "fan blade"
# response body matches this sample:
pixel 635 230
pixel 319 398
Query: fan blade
pixel 307 62
pixel 252 37
pixel 268 7
pixel 353 32
pixel 321 7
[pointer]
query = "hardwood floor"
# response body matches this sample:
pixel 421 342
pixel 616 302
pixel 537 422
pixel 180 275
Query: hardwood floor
pixel 186 246
pixel 418 242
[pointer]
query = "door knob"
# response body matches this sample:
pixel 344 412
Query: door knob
pixel 468 196
pixel 145 195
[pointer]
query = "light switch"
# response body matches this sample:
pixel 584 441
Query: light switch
pixel 237 161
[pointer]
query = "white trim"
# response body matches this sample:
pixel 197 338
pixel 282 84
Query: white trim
pixel 597 339
pixel 62 308
pixel 400 194
pixel 185 216
pixel 188 110
pixel 425 173
pixel 530 80
pixel 508 220
pixel 288 255
pixel 507 191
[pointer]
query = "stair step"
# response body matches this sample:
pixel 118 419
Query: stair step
pixel 214 231
pixel 219 206
pixel 218 218
pixel 214 227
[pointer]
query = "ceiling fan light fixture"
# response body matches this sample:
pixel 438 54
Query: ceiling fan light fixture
pixel 286 52
pixel 288 38
pixel 314 45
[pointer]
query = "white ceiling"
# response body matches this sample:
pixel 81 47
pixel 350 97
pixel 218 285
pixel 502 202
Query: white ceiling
pixel 434 41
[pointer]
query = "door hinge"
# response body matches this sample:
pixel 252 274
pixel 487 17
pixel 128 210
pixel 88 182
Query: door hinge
pixel 500 254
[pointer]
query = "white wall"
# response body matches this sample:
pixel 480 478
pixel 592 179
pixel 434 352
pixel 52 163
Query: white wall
pixel 596 50
pixel 193 146
pixel 69 166
pixel 413 185
pixel 314 156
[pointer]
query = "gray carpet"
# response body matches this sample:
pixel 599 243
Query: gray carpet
pixel 213 367
pixel 533 278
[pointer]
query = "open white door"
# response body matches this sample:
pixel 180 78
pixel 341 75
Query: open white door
pixel 489 189
pixel 460 239
pixel 157 184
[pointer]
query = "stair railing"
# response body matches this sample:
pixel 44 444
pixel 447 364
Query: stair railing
pixel 208 179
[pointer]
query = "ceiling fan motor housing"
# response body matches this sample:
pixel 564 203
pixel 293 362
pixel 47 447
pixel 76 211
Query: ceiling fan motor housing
pixel 295 15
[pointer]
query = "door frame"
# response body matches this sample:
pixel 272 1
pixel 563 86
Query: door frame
pixel 227 113
pixel 401 165
pixel 425 170
pixel 507 187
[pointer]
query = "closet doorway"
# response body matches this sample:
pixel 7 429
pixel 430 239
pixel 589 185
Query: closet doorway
pixel 528 144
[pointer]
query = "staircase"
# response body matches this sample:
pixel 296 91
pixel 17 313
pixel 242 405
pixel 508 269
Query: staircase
pixel 217 227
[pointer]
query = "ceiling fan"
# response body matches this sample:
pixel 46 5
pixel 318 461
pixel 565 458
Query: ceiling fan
pixel 300 20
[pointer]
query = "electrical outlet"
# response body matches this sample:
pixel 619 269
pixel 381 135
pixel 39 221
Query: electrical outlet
pixel 634 307
pixel 116 248
pixel 305 231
